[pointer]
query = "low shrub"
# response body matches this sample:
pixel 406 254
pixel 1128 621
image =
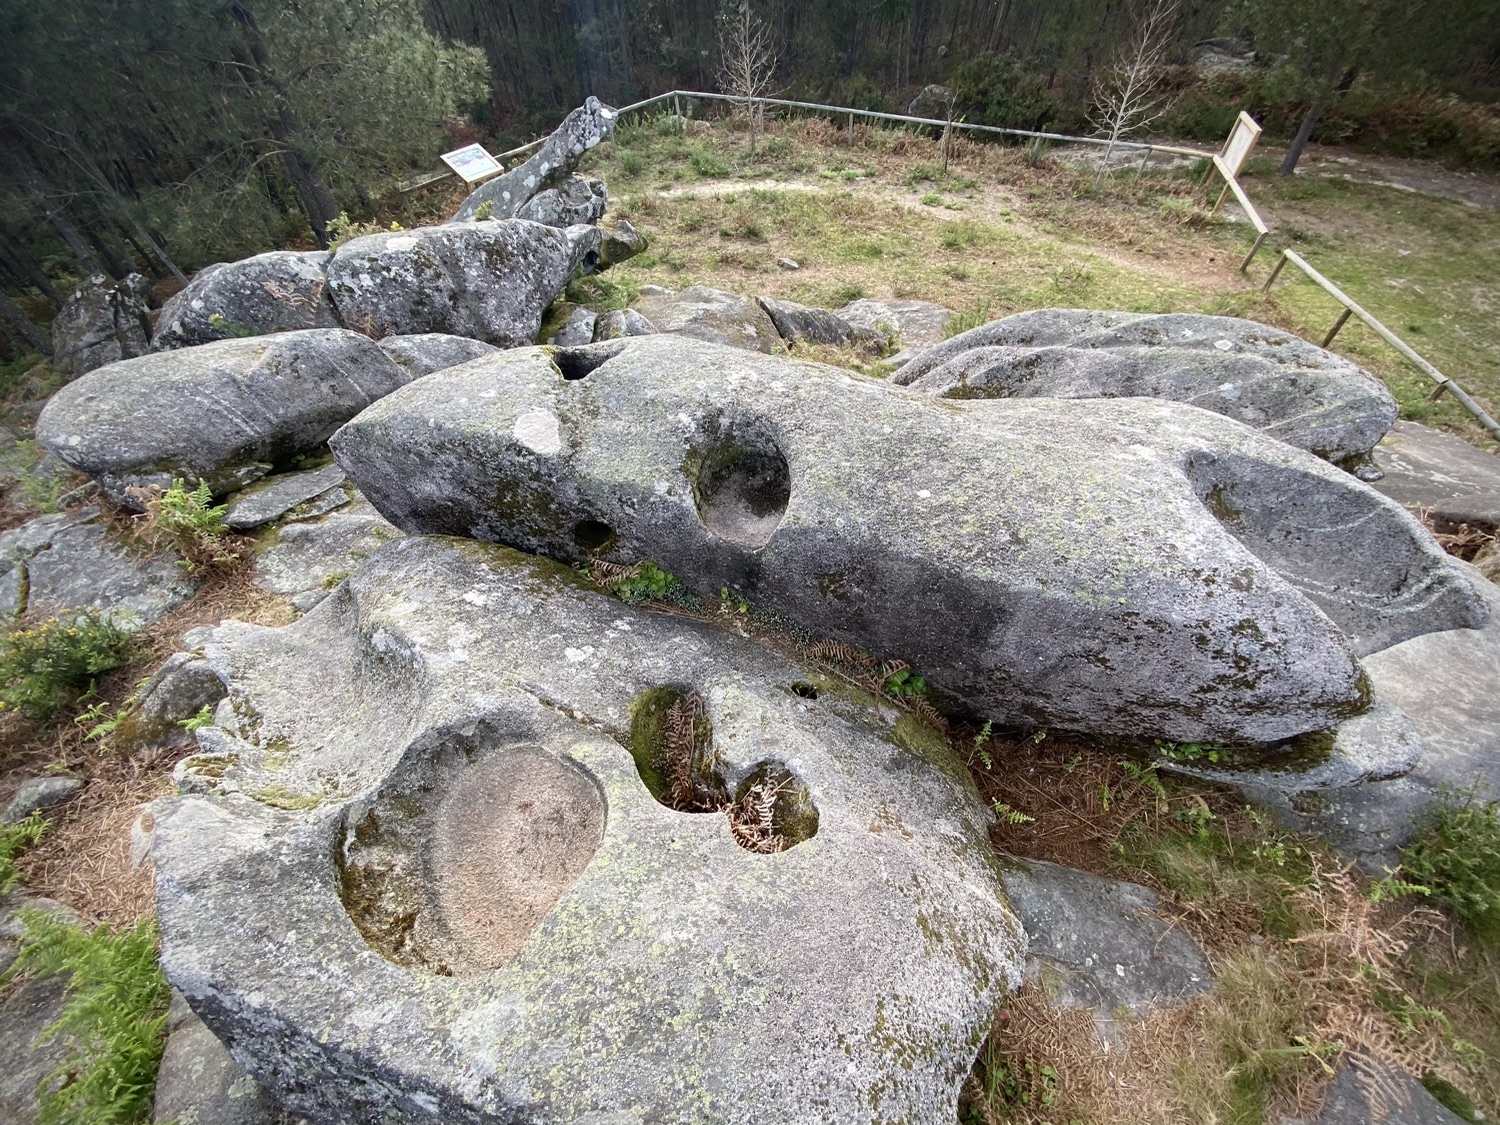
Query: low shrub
pixel 50 666
pixel 1457 854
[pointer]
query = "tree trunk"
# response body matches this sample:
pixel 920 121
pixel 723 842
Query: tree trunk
pixel 627 91
pixel 1314 111
pixel 60 226
pixel 34 273
pixel 22 326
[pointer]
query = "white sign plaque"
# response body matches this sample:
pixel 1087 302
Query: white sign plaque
pixel 1241 143
pixel 472 162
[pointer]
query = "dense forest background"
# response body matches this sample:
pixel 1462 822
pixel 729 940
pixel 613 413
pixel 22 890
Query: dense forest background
pixel 158 135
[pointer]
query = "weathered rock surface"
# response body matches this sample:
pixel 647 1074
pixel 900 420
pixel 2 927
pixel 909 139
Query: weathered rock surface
pixel 1095 943
pixel 427 352
pixel 713 316
pixel 462 762
pixel 1426 468
pixel 619 243
pixel 67 561
pixel 103 321
pixel 934 101
pixel 1125 566
pixel 222 413
pixel 310 558
pixel 25 1012
pixel 819 326
pixel 554 162
pixel 619 323
pixel 281 291
pixel 1378 1094
pixel 200 1084
pixel 578 329
pixel 578 199
pixel 177 691
pixel 39 794
pixel 916 324
pixel 1266 378
pixel 491 281
pixel 270 499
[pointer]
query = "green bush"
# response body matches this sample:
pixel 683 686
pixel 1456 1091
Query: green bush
pixel 113 1022
pixel 1457 854
pixel 50 666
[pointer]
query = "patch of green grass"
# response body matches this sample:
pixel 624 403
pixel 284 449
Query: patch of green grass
pixel 603 292
pixel 47 667
pixel 1457 854
pixel 972 317
pixel 113 1021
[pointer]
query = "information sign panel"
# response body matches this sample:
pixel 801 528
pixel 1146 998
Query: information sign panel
pixel 472 162
pixel 1241 143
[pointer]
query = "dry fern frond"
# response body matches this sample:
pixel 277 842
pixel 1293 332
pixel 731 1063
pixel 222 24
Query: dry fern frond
pixel 752 819
pixel 842 655
pixel 608 575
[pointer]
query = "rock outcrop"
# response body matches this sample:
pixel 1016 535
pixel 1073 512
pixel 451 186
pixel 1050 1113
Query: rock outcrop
pixel 805 323
pixel 439 886
pixel 1454 481
pixel 424 353
pixel 551 164
pixel 1262 376
pixel 578 199
pixel 224 413
pixel 281 291
pixel 1121 566
pixel 714 316
pixel 916 325
pixel 103 321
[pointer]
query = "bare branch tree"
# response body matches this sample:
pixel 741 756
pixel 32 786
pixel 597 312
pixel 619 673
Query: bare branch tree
pixel 747 64
pixel 1128 94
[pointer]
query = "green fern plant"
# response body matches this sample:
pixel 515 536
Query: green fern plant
pixel 15 839
pixel 193 524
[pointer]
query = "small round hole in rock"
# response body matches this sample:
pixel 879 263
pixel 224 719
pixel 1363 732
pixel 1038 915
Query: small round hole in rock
pixel 741 482
pixel 805 689
pixel 593 536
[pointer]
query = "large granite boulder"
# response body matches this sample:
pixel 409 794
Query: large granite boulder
pixel 222 413
pixel 578 199
pixel 421 878
pixel 103 321
pixel 714 316
pixel 1125 566
pixel 491 281
pixel 916 325
pixel 281 291
pixel 1457 483
pixel 1262 376
pixel 808 324
pixel 551 164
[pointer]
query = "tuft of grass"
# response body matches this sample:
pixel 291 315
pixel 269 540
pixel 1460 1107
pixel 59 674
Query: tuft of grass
pixel 602 293
pixel 972 317
pixel 113 1021
pixel 50 666
pixel 1457 855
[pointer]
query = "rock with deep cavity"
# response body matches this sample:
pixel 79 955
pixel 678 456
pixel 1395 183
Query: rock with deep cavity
pixel 1121 566
pixel 274 497
pixel 554 162
pixel 1262 376
pixel 491 281
pixel 578 199
pixel 281 291
pixel 426 352
pixel 806 324
pixel 914 324
pixel 437 884
pixel 1454 481
pixel 714 316
pixel 222 413
pixel 618 323
pixel 1095 943
pixel 103 321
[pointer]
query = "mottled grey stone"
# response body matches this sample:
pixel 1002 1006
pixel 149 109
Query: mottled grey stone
pixel 676 977
pixel 198 1082
pixel 619 323
pixel 274 497
pixel 25 1012
pixel 1097 944
pixel 101 322
pixel 620 243
pixel 713 316
pixel 797 323
pixel 1377 1093
pixel 1427 468
pixel 1122 566
pixel 933 102
pixel 1255 374
pixel 491 281
pixel 578 199
pixel 579 329
pixel 556 160
pixel 179 690
pixel 280 291
pixel 916 324
pixel 38 795
pixel 220 412
pixel 426 352
pixel 316 554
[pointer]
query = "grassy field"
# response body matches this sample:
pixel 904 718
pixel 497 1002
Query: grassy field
pixel 1008 229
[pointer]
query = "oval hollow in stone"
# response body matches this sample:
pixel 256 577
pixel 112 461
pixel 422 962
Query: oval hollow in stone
pixel 451 872
pixel 593 536
pixel 741 482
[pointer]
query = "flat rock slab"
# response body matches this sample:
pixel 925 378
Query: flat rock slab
pixel 1095 943
pixel 282 291
pixel 1427 468
pixel 311 557
pixel 916 324
pixel 274 497
pixel 222 413
pixel 426 352
pixel 68 561
pixel 1125 566
pixel 491 280
pixel 715 317
pixel 198 1082
pixel 1262 376
pixel 425 880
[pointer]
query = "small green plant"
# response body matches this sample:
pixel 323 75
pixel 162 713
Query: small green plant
pixel 343 229
pixel 101 721
pixel 229 327
pixel 1190 751
pixel 732 606
pixel 484 211
pixel 113 1022
pixel 904 684
pixel 931 199
pixel 1008 815
pixel 204 718
pixel 335 579
pixel 632 163
pixel 1456 853
pixel 52 665
pixel 645 582
pixel 15 839
pixel 193 524
pixel 981 741
pixel 707 165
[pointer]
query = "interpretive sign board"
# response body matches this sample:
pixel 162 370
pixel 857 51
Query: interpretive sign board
pixel 1241 143
pixel 472 162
